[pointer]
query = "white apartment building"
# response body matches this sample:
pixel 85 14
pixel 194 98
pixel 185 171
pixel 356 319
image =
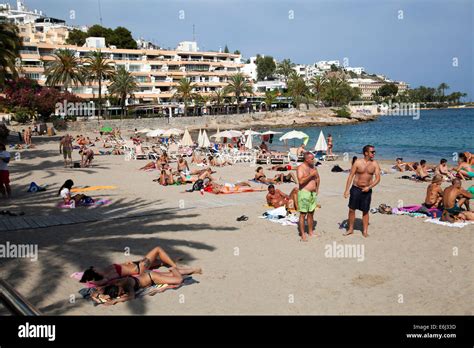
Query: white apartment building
pixel 264 86
pixel 250 69
pixel 369 86
pixel 187 46
pixel 356 70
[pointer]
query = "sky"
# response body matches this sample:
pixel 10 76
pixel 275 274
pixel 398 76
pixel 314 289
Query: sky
pixel 421 42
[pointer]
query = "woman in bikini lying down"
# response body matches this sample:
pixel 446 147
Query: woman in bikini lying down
pixel 154 259
pixel 125 289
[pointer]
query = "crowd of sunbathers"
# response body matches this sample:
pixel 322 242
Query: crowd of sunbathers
pixel 120 282
pixel 423 172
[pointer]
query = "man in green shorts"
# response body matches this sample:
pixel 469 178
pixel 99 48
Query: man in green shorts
pixel 308 181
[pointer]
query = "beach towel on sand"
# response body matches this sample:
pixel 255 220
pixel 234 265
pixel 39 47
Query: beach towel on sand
pixel 97 203
pixel 158 288
pixel 92 188
pixel 450 224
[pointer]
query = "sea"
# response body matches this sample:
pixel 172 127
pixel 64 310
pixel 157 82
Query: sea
pixel 434 134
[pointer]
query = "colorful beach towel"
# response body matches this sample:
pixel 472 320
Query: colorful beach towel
pixel 97 203
pixel 158 288
pixel 92 188
pixel 450 224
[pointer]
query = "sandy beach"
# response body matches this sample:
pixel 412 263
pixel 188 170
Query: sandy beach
pixel 250 267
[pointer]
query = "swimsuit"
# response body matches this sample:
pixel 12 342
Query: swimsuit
pixel 359 200
pixel 118 268
pixel 306 201
pixel 454 210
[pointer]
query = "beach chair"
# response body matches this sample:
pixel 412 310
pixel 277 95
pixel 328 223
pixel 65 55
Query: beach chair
pixel 138 153
pixel 277 159
pixel 330 157
pixel 262 158
pixel 173 151
pixel 293 155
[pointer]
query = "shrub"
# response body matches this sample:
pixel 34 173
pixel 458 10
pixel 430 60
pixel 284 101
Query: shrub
pixel 60 124
pixel 22 114
pixel 342 112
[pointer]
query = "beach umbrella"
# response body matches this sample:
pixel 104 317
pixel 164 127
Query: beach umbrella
pixel 106 129
pixel 205 140
pixel 200 137
pixel 186 140
pixel 172 132
pixel 294 134
pixel 251 132
pixel 228 134
pixel 154 133
pixel 248 143
pixel 143 131
pixel 271 133
pixel 218 139
pixel 321 144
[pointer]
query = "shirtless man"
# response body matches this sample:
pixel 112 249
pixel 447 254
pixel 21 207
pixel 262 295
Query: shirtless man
pixel 452 205
pixel 263 147
pixel 87 156
pixel 308 179
pixel 276 198
pixel 27 136
pixel 362 180
pixel 464 169
pixel 330 145
pixel 301 150
pixel 434 193
pixel 422 172
pixel 402 166
pixel 65 147
pixel 443 170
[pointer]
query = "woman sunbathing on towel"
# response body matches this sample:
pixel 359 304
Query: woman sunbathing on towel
pixel 228 188
pixel 154 259
pixel 217 162
pixel 279 178
pixel 125 289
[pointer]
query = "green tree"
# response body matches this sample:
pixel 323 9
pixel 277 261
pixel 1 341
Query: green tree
pixel 10 43
pixel 236 52
pixel 388 90
pixel 238 86
pixel 76 37
pixel 65 70
pixel 298 90
pixel 271 98
pixel 98 68
pixel 442 88
pixel 265 67
pixel 122 85
pixel 184 92
pixel 316 85
pixel 122 38
pixel 226 49
pixel 285 69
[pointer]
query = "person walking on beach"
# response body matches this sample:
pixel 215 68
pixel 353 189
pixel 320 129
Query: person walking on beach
pixel 362 180
pixel 308 180
pixel 65 147
pixel 330 144
pixel 4 173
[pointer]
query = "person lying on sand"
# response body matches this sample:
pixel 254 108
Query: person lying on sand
pixel 282 167
pixel 279 178
pixel 155 258
pixel 226 188
pixel 434 193
pixel 454 197
pixel 217 162
pixel 464 169
pixel 403 166
pixel 125 289
pixel 276 198
pixel 422 171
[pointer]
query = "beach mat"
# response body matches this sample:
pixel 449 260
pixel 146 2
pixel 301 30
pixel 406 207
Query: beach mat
pixel 240 191
pixel 97 203
pixel 92 188
pixel 151 290
pixel 450 224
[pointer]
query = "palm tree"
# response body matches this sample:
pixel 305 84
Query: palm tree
pixel 285 69
pixel 98 69
pixel 298 90
pixel 443 87
pixel 184 91
pixel 10 43
pixel 238 85
pixel 65 70
pixel 219 96
pixel 332 90
pixel 316 85
pixel 122 85
pixel 270 98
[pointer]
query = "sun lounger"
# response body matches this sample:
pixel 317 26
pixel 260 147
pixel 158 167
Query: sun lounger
pixel 330 157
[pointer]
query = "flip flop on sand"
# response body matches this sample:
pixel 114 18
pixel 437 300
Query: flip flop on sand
pixel 242 218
